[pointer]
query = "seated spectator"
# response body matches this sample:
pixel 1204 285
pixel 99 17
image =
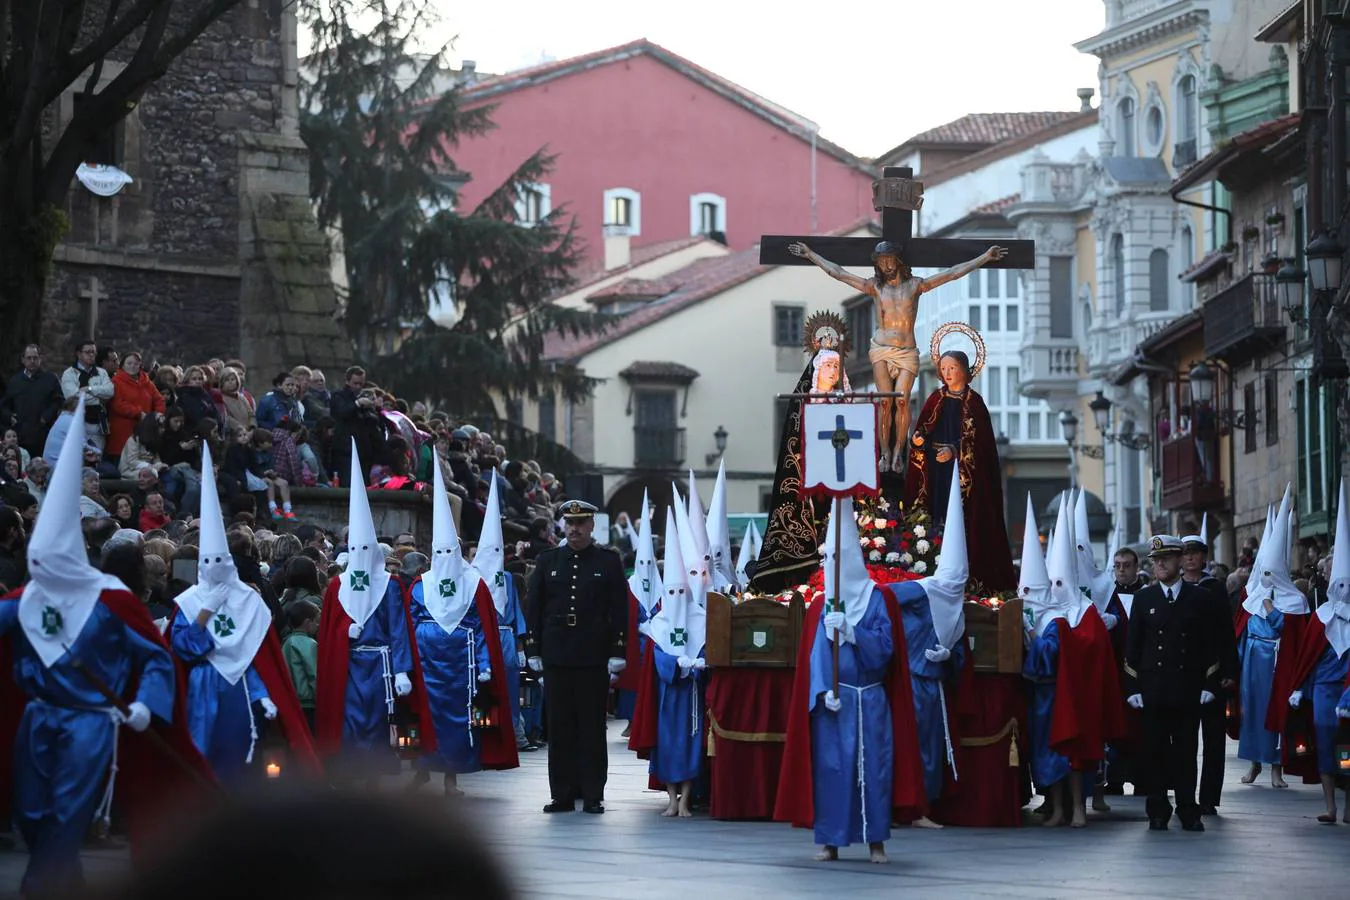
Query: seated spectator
pixel 122 508
pixel 317 400
pixel 153 514
pixel 397 475
pixel 134 398
pixel 313 473
pixel 141 449
pixel 194 399
pixel 27 505
pixel 39 470
pixel 12 482
pixel 166 380
pixel 286 455
pixel 11 439
pixel 280 403
pixel 91 496
pixel 239 409
pixel 261 476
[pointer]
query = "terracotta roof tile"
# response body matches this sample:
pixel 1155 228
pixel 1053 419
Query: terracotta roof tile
pixel 996 206
pixel 595 270
pixel 651 369
pixel 989 128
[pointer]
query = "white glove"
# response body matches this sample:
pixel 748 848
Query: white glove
pixel 402 684
pixel 835 621
pixel 1343 712
pixel 1110 621
pixel 700 664
pixel 536 664
pixel 685 663
pixel 1206 697
pixel 520 659
pixel 485 675
pixel 354 632
pixel 940 654
pixel 616 665
pixel 1135 700
pixel 137 716
pixel 832 702
pixel 1295 699
pixel 269 708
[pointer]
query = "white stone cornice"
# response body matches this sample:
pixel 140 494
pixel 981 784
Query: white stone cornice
pixel 1167 20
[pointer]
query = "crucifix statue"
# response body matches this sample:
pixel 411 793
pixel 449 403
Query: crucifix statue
pixel 893 350
pixel 92 295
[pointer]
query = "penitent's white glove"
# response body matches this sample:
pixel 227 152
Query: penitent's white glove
pixel 1135 700
pixel 485 675
pixel 1295 699
pixel 402 684
pixel 1343 712
pixel 268 707
pixel 700 664
pixel 536 664
pixel 836 623
pixel 832 702
pixel 1206 697
pixel 616 665
pixel 520 659
pixel 354 632
pixel 939 654
pixel 685 663
pixel 137 716
pixel 1110 620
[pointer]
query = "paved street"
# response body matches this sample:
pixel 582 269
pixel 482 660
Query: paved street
pixel 633 852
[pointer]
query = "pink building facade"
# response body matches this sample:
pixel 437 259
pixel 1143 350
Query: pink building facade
pixel 650 145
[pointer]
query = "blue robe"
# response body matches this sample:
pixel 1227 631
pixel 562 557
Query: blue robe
pixel 626 702
pixel 857 739
pixel 1256 652
pixel 1041 667
pixel 221 717
pixel 65 738
pixel 366 705
pixel 451 662
pixel 678 754
pixel 927 679
pixel 510 624
pixel 1323 689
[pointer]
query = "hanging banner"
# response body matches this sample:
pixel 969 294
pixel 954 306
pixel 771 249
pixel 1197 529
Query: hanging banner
pixel 102 180
pixel 840 442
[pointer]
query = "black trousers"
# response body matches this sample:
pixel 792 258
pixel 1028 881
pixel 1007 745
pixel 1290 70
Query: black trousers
pixel 1215 747
pixel 575 703
pixel 1170 737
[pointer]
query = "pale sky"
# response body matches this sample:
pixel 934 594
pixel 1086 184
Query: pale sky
pixel 871 74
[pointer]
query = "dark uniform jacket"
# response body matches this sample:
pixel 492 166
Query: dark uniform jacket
pixel 1222 620
pixel 577 607
pixel 1172 653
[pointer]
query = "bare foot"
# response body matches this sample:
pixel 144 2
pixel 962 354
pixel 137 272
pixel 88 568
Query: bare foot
pixel 923 822
pixel 1079 818
pixel 884 463
pixel 879 853
pixel 1254 771
pixel 1054 820
pixel 1277 780
pixel 684 808
pixel 1329 818
pixel 419 778
pixel 827 854
pixel 670 811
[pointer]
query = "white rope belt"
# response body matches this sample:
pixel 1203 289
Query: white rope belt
pixel 252 723
pixel 103 813
pixel 388 673
pixel 473 682
pixel 862 758
pixel 947 732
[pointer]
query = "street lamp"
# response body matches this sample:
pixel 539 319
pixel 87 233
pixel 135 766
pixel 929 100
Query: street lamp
pixel 1101 412
pixel 1324 262
pixel 1289 281
pixel 1068 422
pixel 720 441
pixel 1202 384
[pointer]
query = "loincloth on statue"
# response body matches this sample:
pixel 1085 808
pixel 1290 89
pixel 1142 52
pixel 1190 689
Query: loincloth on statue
pixel 897 359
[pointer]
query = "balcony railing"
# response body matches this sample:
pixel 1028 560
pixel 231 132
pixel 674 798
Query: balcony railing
pixel 1109 346
pixel 1244 318
pixel 1049 368
pixel 1190 473
pixel 658 447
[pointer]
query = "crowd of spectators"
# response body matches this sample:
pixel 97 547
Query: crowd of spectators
pixel 145 427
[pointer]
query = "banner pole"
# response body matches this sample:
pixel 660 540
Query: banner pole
pixel 838 598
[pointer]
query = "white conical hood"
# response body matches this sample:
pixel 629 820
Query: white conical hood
pixel 759 540
pixel 450 584
pixel 240 618
pixel 946 588
pixel 721 567
pixel 1099 583
pixel 1270 571
pixel 1082 532
pixel 1066 598
pixel 694 561
pixel 1033 583
pixel 1204 528
pixel 64 588
pixel 746 554
pixel 490 560
pixel 680 625
pixel 645 582
pixel 1335 613
pixel 365 579
pixel 855 585
pixel 697 525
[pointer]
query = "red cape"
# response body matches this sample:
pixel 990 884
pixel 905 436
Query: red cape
pixel 642 736
pixel 148 783
pixel 498 748
pixel 1233 715
pixel 1089 709
pixel 1292 668
pixel 795 801
pixel 330 691
pixel 628 678
pixel 981 495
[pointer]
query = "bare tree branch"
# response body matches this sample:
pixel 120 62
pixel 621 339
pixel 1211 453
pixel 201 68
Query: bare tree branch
pixel 74 62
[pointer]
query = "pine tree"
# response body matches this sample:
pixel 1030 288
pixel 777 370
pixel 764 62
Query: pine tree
pixel 381 132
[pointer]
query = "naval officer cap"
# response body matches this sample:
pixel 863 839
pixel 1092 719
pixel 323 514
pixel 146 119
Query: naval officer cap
pixel 578 509
pixel 1164 545
pixel 1194 542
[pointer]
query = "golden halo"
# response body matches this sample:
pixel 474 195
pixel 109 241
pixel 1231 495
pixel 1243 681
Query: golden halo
pixel 822 319
pixel 935 347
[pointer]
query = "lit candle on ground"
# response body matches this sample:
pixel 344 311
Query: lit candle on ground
pixel 273 770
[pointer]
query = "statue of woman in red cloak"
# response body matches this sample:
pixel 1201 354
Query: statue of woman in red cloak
pixel 954 429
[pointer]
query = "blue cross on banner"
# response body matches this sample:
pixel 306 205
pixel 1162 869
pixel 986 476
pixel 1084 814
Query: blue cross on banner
pixel 840 441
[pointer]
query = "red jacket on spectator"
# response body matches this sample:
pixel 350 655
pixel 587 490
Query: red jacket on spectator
pixel 149 521
pixel 132 398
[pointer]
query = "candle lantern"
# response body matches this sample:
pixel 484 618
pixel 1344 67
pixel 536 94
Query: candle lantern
pixel 483 706
pixel 529 685
pixel 404 727
pixel 273 770
pixel 1343 759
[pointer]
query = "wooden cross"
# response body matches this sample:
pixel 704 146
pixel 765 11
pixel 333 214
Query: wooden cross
pixel 93 294
pixel 897 195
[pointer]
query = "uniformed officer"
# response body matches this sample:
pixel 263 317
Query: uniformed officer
pixel 1171 671
pixel 1194 556
pixel 578 615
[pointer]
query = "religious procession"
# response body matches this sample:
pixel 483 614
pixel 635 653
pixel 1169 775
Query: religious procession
pixel 1034 581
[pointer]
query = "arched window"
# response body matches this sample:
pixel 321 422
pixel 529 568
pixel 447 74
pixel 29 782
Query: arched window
pixel 1118 272
pixel 1187 260
pixel 1185 150
pixel 1159 297
pixel 1125 140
